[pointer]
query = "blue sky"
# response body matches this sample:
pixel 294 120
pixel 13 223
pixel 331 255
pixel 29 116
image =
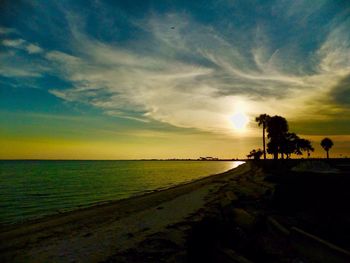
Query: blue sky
pixel 169 69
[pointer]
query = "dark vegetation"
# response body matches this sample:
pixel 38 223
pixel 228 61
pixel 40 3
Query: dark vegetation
pixel 327 144
pixel 242 231
pixel 317 202
pixel 255 154
pixel 281 141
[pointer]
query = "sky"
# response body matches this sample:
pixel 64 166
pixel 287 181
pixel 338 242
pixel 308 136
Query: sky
pixel 170 79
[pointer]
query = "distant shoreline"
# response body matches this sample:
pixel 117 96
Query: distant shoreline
pixel 225 160
pixel 123 160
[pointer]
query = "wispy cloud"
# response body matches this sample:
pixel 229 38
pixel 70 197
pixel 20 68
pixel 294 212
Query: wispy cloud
pixel 17 65
pixel 18 72
pixel 7 30
pixel 19 43
pixel 16 43
pixel 190 74
pixel 202 88
pixel 33 49
pixel 13 66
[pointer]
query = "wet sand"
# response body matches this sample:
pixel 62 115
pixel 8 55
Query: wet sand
pixel 99 233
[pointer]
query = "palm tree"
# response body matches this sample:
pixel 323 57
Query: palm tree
pixel 304 145
pixel 293 144
pixel 262 119
pixel 256 154
pixel 277 128
pixel 289 144
pixel 299 145
pixel 326 144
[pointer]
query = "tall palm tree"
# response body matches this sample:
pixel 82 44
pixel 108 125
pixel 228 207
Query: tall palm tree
pixel 326 144
pixel 262 119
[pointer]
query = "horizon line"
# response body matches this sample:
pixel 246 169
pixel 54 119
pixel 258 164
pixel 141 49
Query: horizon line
pixel 173 159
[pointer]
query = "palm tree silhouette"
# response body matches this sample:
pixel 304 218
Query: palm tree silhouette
pixel 293 144
pixel 304 145
pixel 326 144
pixel 289 144
pixel 256 154
pixel 277 128
pixel 262 119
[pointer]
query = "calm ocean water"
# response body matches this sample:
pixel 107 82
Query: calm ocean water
pixel 32 189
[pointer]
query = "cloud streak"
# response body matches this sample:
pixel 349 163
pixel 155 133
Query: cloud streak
pixel 193 75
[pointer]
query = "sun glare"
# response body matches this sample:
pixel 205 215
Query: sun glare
pixel 239 121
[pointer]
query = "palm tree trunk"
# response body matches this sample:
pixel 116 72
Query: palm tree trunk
pixel 264 141
pixel 327 155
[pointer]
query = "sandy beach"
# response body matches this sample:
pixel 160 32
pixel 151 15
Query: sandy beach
pixel 95 234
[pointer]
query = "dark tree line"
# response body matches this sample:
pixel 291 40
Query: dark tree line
pixel 281 141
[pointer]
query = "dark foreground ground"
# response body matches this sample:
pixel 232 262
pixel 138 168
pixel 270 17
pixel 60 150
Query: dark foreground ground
pixel 272 214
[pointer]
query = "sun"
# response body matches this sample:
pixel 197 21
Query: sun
pixel 239 121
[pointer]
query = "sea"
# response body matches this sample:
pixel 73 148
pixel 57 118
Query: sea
pixel 34 189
